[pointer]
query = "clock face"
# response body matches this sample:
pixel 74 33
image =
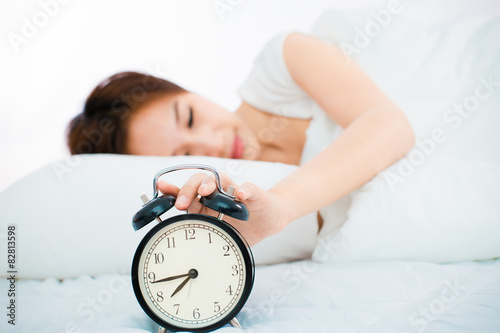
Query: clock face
pixel 192 272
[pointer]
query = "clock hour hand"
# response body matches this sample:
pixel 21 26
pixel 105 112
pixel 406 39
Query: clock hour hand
pixel 170 278
pixel 193 273
pixel 180 286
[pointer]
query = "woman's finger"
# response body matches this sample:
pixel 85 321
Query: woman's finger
pixel 167 188
pixel 209 184
pixel 195 208
pixel 247 191
pixel 189 191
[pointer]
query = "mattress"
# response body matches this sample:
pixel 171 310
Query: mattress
pixel 303 296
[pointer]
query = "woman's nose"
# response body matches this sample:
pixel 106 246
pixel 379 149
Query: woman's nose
pixel 206 145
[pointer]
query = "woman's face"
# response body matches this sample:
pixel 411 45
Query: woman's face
pixel 188 124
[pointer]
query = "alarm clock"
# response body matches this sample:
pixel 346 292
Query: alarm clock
pixel 192 272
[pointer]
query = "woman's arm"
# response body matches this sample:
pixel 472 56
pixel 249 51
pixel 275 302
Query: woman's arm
pixel 376 132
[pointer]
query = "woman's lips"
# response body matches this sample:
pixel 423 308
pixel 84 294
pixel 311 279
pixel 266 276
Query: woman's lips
pixel 238 147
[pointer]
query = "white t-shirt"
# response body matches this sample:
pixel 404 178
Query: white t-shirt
pixel 271 88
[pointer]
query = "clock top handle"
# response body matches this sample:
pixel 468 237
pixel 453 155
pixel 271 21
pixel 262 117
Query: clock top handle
pixel 186 167
pixel 219 200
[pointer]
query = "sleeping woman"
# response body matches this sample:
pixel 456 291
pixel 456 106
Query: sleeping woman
pixel 304 103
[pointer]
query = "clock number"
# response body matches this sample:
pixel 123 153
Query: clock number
pixel 151 277
pixel 216 307
pixel 235 270
pixel 196 313
pixel 170 242
pixel 226 248
pixel 229 291
pixel 178 306
pixel 159 296
pixel 209 238
pixel 190 234
pixel 159 258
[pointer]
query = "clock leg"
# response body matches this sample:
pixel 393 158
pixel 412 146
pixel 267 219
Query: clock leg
pixel 235 323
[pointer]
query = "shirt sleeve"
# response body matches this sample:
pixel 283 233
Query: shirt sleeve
pixel 270 86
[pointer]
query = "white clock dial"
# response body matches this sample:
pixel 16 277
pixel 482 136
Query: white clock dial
pixel 191 273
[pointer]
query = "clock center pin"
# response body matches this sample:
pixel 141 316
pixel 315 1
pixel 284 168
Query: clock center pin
pixel 193 273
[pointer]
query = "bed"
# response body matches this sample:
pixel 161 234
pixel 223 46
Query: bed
pixel 414 250
pixel 303 296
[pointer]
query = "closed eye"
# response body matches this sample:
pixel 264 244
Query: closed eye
pixel 190 121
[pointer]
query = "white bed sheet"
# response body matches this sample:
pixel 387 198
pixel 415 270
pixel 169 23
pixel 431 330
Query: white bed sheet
pixel 302 296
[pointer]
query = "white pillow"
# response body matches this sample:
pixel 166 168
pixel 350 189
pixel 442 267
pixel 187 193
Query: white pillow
pixel 74 217
pixel 445 210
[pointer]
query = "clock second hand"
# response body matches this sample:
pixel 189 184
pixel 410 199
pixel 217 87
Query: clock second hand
pixel 189 289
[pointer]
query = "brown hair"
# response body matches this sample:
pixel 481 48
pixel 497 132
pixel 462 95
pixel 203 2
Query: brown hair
pixel 102 125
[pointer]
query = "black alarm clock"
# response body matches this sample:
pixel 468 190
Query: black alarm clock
pixel 192 272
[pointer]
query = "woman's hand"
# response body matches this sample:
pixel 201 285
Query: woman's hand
pixel 269 212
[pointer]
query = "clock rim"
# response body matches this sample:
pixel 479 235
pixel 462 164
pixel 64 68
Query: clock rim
pixel 239 241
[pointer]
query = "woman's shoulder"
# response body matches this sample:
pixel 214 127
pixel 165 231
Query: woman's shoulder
pixel 270 87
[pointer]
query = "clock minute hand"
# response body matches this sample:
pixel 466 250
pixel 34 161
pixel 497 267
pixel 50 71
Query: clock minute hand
pixel 181 286
pixel 170 278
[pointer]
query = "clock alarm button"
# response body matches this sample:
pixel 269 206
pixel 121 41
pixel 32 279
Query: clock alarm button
pixel 152 210
pixel 226 205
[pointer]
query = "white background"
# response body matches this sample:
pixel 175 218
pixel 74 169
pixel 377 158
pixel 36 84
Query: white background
pixel 46 78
